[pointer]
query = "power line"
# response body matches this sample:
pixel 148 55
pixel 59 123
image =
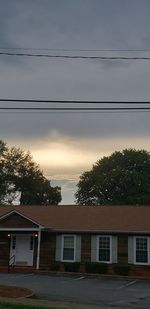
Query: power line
pixel 46 112
pixel 74 112
pixel 76 49
pixel 74 108
pixel 74 101
pixel 74 56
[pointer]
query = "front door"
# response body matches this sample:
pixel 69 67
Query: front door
pixel 22 246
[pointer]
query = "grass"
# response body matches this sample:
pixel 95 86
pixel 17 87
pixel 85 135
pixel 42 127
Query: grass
pixel 6 305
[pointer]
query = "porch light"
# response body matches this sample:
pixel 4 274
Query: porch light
pixel 8 235
pixel 35 235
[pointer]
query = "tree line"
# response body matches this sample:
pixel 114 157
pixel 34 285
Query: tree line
pixel 123 178
pixel 23 181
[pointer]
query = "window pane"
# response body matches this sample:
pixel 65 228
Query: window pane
pixel 141 256
pixel 141 250
pixel 68 249
pixel 68 242
pixel 104 249
pixel 68 254
pixel 104 255
pixel 104 242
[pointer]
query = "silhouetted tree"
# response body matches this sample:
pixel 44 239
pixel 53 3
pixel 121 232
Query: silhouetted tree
pixel 22 179
pixel 121 178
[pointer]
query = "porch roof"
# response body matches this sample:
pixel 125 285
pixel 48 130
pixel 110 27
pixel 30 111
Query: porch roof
pixel 86 218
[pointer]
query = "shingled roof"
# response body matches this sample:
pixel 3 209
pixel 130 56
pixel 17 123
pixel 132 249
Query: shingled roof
pixel 86 218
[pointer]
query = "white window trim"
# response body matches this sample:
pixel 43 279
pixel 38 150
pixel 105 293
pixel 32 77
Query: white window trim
pixel 97 258
pixel 62 247
pixel 148 249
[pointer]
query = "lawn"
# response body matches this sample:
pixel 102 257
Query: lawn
pixel 6 305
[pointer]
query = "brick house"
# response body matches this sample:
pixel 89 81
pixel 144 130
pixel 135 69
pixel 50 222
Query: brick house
pixel 35 237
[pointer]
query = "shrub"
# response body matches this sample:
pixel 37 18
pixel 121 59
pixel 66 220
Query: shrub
pixel 96 267
pixel 121 269
pixel 55 266
pixel 72 267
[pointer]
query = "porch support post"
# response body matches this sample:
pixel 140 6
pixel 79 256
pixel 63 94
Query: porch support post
pixel 38 249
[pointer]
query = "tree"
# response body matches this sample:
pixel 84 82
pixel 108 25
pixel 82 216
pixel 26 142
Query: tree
pixel 121 178
pixel 22 179
pixel 3 182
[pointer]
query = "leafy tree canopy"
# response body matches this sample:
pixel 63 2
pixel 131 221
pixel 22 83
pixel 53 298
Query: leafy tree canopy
pixel 22 179
pixel 121 178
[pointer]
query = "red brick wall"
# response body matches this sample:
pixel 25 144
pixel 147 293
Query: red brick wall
pixel 86 248
pixel 139 270
pixel 4 249
pixel 48 248
pixel 16 221
pixel 123 249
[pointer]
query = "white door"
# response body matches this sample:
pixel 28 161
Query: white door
pixel 22 246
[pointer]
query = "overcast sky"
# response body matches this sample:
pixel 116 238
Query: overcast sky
pixel 65 145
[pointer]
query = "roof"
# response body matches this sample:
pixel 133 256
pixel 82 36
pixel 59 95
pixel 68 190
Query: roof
pixel 86 218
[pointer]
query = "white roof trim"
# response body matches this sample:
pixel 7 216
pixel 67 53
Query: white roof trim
pixel 13 229
pixel 20 214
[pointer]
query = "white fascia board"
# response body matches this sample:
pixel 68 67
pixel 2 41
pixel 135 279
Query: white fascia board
pixel 3 229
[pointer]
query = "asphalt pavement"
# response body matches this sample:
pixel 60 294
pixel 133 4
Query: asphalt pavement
pixel 110 292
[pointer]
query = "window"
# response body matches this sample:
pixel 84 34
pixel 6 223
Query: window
pixel 104 249
pixel 68 248
pixel 13 242
pixel 141 250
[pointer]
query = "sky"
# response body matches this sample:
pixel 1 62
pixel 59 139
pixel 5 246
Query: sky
pixel 66 145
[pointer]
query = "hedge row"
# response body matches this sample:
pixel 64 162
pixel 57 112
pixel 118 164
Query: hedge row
pixel 91 267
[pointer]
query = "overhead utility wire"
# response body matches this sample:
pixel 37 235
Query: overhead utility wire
pixel 74 56
pixel 75 49
pixel 73 101
pixel 74 112
pixel 75 108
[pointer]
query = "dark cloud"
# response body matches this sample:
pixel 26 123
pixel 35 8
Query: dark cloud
pixel 69 24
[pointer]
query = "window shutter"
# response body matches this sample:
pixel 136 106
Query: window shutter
pixel 58 247
pixel 93 248
pixel 78 249
pixel 130 250
pixel 114 249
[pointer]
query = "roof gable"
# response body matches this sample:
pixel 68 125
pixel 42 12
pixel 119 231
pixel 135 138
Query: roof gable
pixel 15 219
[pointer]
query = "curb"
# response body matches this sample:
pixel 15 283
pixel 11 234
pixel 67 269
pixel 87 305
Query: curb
pixel 27 293
pixel 27 296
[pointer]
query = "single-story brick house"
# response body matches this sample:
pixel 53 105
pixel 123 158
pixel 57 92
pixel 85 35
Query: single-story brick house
pixel 36 237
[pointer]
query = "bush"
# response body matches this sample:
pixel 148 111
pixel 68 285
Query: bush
pixel 121 269
pixel 96 267
pixel 55 266
pixel 72 267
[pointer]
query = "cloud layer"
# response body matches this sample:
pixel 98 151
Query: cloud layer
pixel 67 144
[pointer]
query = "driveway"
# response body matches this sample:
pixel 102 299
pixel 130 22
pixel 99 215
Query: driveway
pixel 101 292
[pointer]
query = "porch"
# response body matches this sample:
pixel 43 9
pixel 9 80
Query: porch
pixel 19 250
pixel 20 240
